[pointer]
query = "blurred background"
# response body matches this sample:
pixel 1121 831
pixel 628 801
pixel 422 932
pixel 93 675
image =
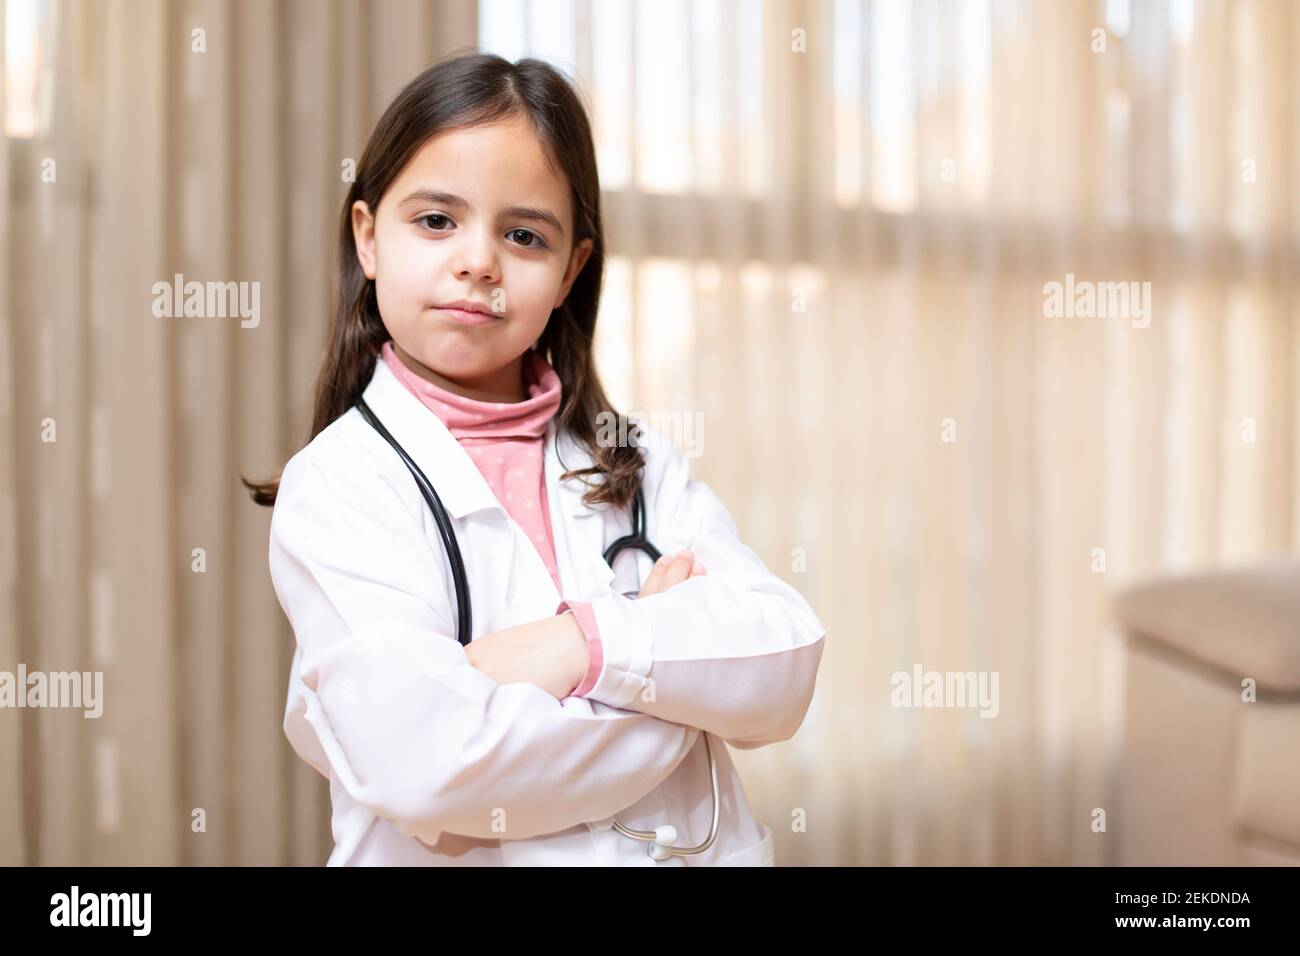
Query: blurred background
pixel 832 226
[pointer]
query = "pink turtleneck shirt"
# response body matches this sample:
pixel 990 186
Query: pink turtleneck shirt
pixel 505 441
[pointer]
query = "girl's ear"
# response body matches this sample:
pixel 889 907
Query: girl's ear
pixel 577 260
pixel 363 237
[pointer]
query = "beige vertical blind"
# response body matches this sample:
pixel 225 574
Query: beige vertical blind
pixel 831 225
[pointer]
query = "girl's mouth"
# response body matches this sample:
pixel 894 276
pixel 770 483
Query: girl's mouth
pixel 464 317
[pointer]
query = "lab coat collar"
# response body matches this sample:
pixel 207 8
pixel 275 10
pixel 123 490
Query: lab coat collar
pixel 430 444
pixel 584 574
pixel 459 483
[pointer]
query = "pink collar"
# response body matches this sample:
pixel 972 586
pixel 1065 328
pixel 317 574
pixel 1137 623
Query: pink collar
pixel 469 418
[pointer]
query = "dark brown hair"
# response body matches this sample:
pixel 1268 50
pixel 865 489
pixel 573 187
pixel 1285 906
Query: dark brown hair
pixel 468 89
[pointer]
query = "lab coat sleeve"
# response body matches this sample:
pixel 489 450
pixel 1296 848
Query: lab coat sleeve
pixel 734 652
pixel 408 726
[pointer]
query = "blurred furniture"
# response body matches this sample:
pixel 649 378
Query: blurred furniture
pixel 1207 778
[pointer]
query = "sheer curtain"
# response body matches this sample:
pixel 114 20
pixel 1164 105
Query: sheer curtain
pixel 832 224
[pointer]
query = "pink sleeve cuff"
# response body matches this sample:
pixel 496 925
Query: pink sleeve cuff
pixel 595 653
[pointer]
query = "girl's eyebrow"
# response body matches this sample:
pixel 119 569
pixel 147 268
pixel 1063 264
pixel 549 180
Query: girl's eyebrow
pixel 514 212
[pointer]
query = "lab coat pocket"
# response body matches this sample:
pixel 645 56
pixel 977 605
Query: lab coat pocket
pixel 617 849
pixel 760 854
pixel 571 847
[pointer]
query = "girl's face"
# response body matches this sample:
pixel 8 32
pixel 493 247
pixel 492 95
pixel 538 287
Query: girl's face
pixel 478 215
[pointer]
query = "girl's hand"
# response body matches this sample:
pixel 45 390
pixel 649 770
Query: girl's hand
pixel 550 654
pixel 670 570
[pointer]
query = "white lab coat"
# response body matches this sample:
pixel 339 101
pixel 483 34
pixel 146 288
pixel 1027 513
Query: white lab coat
pixel 430 762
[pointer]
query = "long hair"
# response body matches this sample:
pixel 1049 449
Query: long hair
pixel 463 90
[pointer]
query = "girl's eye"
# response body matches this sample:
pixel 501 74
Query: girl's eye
pixel 434 215
pixel 540 243
pixel 529 240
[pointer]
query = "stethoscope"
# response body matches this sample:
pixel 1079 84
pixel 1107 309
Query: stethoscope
pixel 661 838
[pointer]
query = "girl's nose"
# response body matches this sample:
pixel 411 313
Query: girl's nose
pixel 477 260
pixel 478 272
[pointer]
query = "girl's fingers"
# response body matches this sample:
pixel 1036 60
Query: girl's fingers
pixel 654 580
pixel 679 569
pixel 670 570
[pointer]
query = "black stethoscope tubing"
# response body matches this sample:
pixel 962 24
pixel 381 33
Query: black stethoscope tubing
pixel 660 841
pixel 464 622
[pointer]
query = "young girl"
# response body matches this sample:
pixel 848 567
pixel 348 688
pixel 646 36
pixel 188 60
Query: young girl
pixel 471 254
